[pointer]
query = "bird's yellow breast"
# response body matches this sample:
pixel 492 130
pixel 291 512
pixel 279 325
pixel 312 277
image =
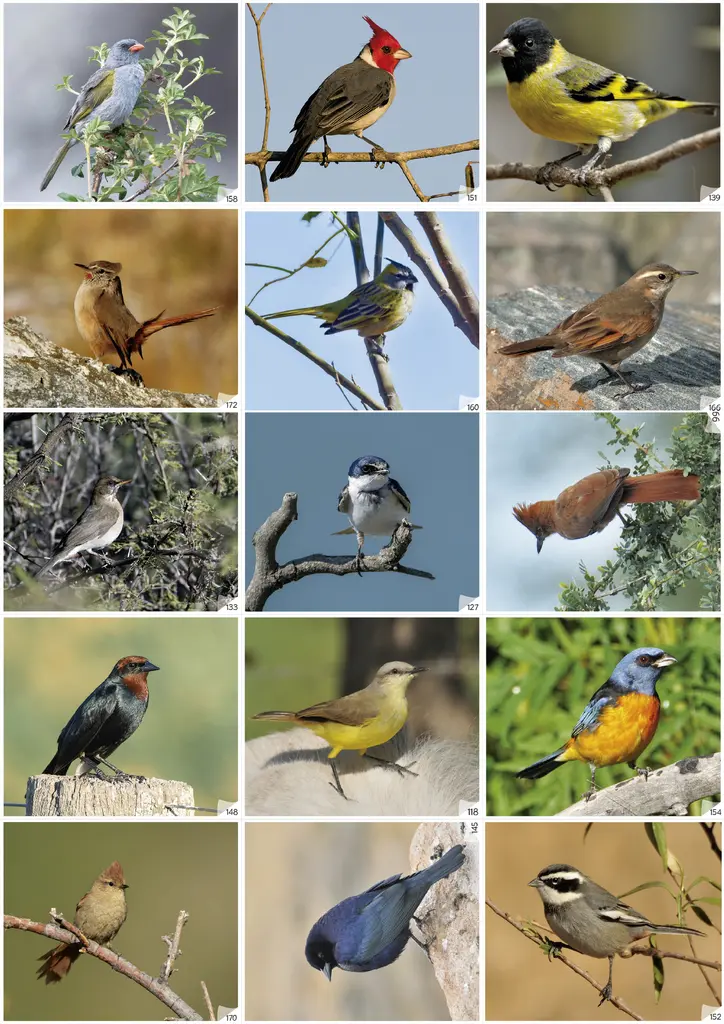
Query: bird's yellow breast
pixel 542 103
pixel 386 724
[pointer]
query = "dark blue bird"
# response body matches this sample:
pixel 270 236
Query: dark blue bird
pixel 365 932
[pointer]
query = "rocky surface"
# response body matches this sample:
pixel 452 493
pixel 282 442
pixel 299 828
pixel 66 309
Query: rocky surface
pixel 41 375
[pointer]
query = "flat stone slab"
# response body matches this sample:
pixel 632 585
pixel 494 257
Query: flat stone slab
pixel 683 361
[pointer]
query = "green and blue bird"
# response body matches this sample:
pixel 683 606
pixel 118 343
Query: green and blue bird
pixel 109 94
pixel 371 309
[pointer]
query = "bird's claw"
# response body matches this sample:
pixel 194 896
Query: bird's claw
pixel 378 158
pixel 131 375
pixel 606 993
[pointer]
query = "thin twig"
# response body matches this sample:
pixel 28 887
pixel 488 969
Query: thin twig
pixel 533 936
pixel 261 158
pixel 204 989
pixel 162 992
pixel 174 950
pixel 328 368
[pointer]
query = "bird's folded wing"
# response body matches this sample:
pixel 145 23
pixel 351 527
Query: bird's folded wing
pixel 590 718
pixel 81 732
pixel 398 492
pixel 98 88
pixel 344 711
pixel 349 94
pixel 593 335
pixel 343 503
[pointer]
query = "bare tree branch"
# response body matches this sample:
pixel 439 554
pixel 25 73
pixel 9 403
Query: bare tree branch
pixel 667 791
pixel 328 368
pixel 378 156
pixel 603 178
pixel 457 279
pixel 269 576
pixel 174 947
pixel 37 459
pixel 161 991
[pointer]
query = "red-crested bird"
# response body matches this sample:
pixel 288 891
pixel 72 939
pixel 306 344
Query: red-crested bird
pixel 348 101
pixel 588 506
pixel 105 719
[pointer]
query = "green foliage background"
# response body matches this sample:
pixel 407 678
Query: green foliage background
pixel 189 730
pixel 168 866
pixel 542 672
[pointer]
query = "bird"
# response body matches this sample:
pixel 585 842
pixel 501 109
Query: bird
pixel 374 502
pixel 570 99
pixel 348 101
pixel 109 94
pixel 592 920
pixel 369 931
pixel 588 506
pixel 99 916
pixel 358 720
pixel 612 327
pixel 371 309
pixel 105 719
pixel 619 721
pixel 107 325
pixel 98 526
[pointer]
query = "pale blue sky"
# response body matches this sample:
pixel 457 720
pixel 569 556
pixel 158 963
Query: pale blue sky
pixel 437 101
pixel 434 456
pixel 531 457
pixel 432 362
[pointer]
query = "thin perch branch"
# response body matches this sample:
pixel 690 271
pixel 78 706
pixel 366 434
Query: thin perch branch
pixel 604 177
pixel 269 576
pixel 162 992
pixel 174 947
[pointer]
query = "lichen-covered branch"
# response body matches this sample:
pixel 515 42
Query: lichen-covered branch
pixel 666 791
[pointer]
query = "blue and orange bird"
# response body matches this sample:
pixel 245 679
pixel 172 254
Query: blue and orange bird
pixel 619 721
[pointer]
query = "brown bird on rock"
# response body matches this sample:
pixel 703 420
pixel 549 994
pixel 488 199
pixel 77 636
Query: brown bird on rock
pixel 587 507
pixel 105 322
pixel 612 327
pixel 99 916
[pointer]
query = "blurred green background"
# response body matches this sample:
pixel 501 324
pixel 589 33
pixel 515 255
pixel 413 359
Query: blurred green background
pixel 173 260
pixel 673 47
pixel 541 674
pixel 189 731
pixel 293 663
pixel 168 866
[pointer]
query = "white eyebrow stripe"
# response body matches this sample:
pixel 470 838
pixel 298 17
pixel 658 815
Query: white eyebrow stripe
pixel 566 876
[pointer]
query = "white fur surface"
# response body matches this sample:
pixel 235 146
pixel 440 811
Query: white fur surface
pixel 288 773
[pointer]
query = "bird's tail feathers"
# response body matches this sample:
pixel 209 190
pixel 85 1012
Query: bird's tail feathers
pixel 544 766
pixel 156 324
pixel 449 862
pixel 306 311
pixel 671 929
pixel 276 716
pixel 289 163
pixel 57 161
pixel 522 348
pixel 670 485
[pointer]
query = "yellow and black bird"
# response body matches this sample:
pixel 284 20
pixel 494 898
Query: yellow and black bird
pixel 570 99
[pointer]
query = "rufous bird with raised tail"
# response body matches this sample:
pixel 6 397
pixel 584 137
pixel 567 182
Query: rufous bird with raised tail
pixel 587 507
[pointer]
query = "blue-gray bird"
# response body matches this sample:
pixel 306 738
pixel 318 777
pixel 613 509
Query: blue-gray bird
pixel 369 931
pixel 110 94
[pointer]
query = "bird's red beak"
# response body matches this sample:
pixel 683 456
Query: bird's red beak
pixel 136 48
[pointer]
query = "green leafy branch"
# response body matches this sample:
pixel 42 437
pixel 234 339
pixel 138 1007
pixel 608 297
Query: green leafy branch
pixel 133 163
pixel 666 545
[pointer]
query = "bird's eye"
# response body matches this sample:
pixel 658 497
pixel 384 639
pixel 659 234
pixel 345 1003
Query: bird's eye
pixel 529 42
pixel 387 49
pixel 662 277
pixel 643 659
